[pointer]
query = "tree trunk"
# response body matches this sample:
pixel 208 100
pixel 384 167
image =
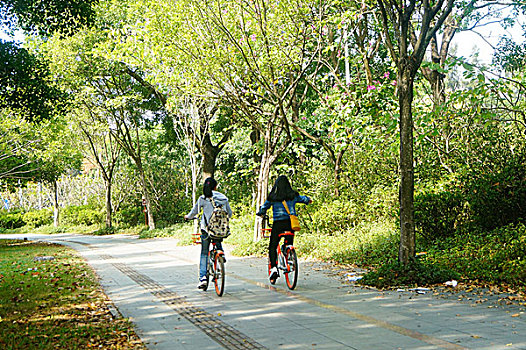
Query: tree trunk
pixel 209 153
pixel 56 210
pixel 40 195
pixel 261 190
pixel 435 78
pixel 146 194
pixel 407 220
pixel 338 171
pixel 109 208
pixel 274 146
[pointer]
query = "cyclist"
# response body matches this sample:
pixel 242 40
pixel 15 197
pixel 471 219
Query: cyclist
pixel 281 191
pixel 205 202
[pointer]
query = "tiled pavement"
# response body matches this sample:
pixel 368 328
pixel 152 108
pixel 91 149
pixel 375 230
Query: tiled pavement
pixel 153 282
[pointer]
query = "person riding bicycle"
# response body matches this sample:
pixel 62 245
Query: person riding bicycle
pixel 205 202
pixel 281 191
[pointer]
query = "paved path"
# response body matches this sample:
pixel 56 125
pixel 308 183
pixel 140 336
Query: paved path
pixel 153 282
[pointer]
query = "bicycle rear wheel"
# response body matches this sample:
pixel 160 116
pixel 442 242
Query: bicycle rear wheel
pixel 219 274
pixel 209 272
pixel 291 275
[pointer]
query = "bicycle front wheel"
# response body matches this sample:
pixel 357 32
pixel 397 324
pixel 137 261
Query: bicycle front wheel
pixel 219 274
pixel 291 275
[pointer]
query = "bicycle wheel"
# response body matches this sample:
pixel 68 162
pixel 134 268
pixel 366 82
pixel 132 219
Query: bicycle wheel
pixel 219 274
pixel 291 275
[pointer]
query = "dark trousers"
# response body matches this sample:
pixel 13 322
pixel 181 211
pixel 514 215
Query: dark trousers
pixel 278 227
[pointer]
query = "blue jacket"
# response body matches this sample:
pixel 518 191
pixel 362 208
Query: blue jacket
pixel 278 209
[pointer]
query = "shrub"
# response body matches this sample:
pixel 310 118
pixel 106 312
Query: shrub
pixel 477 201
pixel 11 220
pixel 416 273
pixel 129 216
pixel 496 257
pixel 370 243
pixel 37 218
pixel 105 231
pixel 330 216
pixel 497 197
pixel 439 214
pixel 82 215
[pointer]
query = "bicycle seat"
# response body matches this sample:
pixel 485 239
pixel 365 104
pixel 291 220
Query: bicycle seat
pixel 286 233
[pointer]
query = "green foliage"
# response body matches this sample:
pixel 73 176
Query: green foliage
pixel 82 215
pixel 36 218
pixel 333 216
pixel 26 85
pixel 11 220
pixel 129 215
pixel 480 199
pixel 164 168
pixel 235 167
pixel 510 55
pixel 439 213
pixel 242 236
pixel 180 231
pixel 497 197
pixel 366 244
pixel 415 273
pixel 496 256
pixel 105 231
pixel 47 16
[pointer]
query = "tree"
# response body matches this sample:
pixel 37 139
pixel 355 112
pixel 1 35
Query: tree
pixel 46 17
pixel 26 86
pixel 465 16
pixel 345 89
pixel 18 140
pixel 249 57
pixel 128 108
pixel 58 155
pixel 398 20
pixel 105 150
pixel 77 76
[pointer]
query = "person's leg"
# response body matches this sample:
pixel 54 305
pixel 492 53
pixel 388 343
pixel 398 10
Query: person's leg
pixel 273 246
pixel 277 228
pixel 205 244
pixel 219 246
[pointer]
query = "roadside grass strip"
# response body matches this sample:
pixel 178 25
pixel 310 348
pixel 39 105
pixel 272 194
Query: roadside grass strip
pixel 50 299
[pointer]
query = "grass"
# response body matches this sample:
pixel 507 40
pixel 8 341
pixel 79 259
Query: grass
pixel 53 304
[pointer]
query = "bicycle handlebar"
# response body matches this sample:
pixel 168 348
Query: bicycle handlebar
pixel 266 220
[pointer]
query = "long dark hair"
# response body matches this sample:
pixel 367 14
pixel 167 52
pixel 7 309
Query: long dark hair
pixel 282 190
pixel 209 185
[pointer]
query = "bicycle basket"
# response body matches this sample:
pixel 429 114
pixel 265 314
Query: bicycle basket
pixel 265 232
pixel 196 238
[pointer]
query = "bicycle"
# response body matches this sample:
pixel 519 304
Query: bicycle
pixel 287 258
pixel 215 266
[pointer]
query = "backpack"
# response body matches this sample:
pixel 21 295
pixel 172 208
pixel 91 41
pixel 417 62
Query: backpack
pixel 218 227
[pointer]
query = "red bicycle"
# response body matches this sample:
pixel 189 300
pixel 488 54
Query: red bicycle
pixel 287 258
